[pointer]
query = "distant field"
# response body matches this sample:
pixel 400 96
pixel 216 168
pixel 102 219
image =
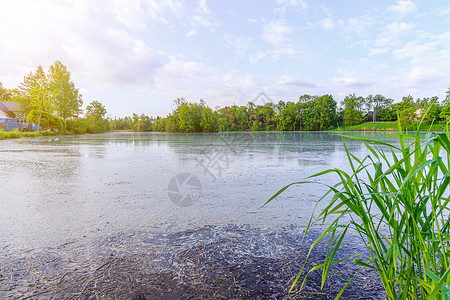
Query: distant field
pixel 387 126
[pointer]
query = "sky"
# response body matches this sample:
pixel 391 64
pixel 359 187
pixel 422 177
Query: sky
pixel 137 56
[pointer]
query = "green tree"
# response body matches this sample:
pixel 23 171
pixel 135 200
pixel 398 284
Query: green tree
pixel 160 124
pixel 287 117
pixel 40 92
pixel 208 122
pixel 67 100
pixel 5 94
pixel 137 123
pixel 243 118
pixel 326 111
pixel 46 120
pixel 95 111
pixel 424 104
pixel 309 115
pixel 319 113
pixel 379 104
pixel 445 111
pixel 301 104
pixel 406 111
pixel 352 113
pixel 190 117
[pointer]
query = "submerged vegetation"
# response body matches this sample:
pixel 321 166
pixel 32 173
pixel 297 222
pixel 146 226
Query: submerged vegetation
pixel 396 200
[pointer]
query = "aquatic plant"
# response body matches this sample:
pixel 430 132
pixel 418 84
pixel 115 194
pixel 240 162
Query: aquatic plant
pixel 396 199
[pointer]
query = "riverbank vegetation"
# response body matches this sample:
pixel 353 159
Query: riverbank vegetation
pixel 397 201
pixel 4 135
pixel 391 126
pixel 309 113
pixel 52 102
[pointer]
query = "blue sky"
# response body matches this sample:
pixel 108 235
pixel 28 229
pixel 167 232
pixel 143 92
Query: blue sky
pixel 139 55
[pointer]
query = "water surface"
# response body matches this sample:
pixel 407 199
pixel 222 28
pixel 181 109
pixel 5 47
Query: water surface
pixel 80 187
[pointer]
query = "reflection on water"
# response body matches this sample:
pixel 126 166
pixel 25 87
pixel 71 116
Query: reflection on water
pixel 92 185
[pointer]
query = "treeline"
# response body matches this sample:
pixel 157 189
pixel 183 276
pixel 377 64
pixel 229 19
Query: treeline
pixel 309 113
pixel 51 101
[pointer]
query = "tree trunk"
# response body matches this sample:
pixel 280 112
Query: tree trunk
pixel 39 122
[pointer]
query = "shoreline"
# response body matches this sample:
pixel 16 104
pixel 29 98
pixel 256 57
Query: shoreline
pixel 7 135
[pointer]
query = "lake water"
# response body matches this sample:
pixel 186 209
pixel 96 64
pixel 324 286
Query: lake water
pixel 88 186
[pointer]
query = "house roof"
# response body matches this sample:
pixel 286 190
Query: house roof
pixel 9 107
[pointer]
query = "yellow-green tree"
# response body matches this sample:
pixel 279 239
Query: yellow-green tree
pixel 96 111
pixel 35 94
pixel 67 100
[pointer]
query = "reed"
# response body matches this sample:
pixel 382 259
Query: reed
pixel 397 201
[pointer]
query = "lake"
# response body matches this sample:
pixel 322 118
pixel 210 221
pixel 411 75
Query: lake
pixel 69 203
pixel 91 185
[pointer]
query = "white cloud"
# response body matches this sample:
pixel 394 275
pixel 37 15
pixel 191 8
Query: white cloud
pixel 159 9
pixel 403 7
pixel 327 23
pixel 289 51
pixel 377 51
pixel 204 17
pixel 294 81
pixel 276 32
pixel 350 81
pixel 241 45
pixel 204 21
pixel 393 33
pixel 359 25
pixel 202 7
pixel 443 12
pixel 429 61
pixel 399 29
pixel 296 5
pixel 91 52
pixel 183 75
pixel 135 14
pixel 191 34
pixel 255 58
pixel 326 10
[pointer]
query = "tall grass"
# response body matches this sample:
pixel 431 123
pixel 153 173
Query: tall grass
pixel 389 126
pixel 15 134
pixel 397 200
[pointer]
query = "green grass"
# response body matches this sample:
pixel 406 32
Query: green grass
pixel 396 200
pixel 387 126
pixel 4 135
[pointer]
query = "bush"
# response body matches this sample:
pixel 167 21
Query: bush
pixel 48 121
pixel 75 127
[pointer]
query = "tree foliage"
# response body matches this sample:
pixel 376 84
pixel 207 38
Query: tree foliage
pixel 66 98
pixel 55 94
pixel 95 111
pixel 5 94
pixel 352 114
pixel 46 120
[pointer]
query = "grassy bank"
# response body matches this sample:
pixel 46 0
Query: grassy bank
pixel 388 126
pixel 4 135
